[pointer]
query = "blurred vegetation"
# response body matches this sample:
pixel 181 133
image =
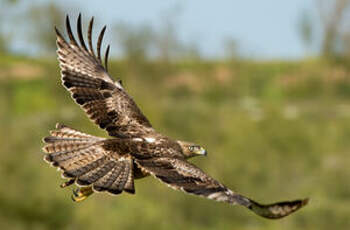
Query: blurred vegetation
pixel 142 42
pixel 325 29
pixel 43 17
pixel 135 41
pixel 274 130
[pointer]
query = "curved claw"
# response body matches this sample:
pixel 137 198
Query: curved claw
pixel 81 194
pixel 75 192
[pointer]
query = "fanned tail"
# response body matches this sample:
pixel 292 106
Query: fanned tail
pixel 83 159
pixel 67 144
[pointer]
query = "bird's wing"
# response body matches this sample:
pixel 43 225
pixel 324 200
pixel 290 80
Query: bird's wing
pixel 105 101
pixel 83 158
pixel 182 175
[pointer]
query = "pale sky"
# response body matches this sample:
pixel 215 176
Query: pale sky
pixel 266 29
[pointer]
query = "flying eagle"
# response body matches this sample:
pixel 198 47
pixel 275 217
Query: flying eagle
pixel 136 150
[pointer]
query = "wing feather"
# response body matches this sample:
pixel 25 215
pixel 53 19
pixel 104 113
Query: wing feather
pixel 84 75
pixel 94 175
pixel 91 24
pixel 99 42
pixel 182 175
pixel 70 33
pixel 107 180
pixel 80 34
pixel 106 57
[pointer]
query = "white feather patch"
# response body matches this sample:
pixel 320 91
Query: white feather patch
pixel 150 139
pixel 214 195
pixel 116 83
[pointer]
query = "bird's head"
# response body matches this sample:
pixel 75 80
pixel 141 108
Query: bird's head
pixel 191 149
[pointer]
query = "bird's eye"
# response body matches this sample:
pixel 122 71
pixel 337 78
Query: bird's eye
pixel 191 148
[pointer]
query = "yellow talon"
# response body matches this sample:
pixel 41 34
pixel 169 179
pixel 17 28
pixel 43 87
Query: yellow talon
pixel 81 194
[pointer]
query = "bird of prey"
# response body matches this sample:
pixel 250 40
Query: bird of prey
pixel 136 149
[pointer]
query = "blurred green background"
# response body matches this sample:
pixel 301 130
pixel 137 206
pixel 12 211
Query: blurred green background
pixel 274 129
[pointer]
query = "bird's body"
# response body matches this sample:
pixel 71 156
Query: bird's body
pixel 136 149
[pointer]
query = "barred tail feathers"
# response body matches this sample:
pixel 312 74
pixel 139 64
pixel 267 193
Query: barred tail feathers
pixel 82 157
pixel 64 143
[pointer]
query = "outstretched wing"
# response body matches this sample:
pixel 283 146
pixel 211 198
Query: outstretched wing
pixel 182 175
pixel 105 102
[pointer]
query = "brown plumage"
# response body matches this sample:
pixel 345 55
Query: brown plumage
pixel 136 149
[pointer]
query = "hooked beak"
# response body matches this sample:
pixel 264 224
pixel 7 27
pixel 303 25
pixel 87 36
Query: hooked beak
pixel 203 152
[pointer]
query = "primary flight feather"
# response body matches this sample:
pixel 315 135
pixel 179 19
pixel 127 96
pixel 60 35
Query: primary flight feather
pixel 136 150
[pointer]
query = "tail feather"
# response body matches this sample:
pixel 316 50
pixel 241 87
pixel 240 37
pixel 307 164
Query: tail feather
pixel 55 145
pixel 63 131
pixel 82 157
pixel 70 149
pixel 65 139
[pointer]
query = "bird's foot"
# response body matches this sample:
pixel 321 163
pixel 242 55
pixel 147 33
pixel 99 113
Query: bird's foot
pixel 81 194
